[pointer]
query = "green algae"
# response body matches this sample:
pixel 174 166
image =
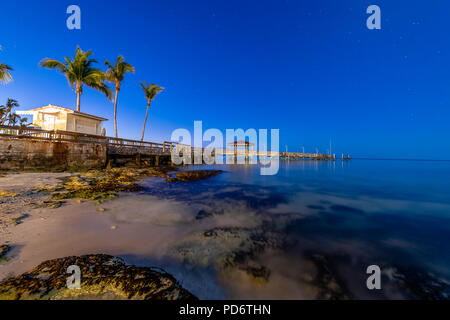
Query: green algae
pixel 102 276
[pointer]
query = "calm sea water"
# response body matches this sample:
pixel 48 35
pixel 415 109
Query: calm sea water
pixel 312 230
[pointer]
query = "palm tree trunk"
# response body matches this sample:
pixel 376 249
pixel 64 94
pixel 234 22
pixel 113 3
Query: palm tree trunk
pixel 3 119
pixel 145 121
pixel 115 113
pixel 7 114
pixel 78 101
pixel 78 91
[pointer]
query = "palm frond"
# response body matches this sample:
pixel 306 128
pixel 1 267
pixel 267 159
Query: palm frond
pixel 53 64
pixel 80 70
pixel 5 75
pixel 116 73
pixel 108 64
pixel 11 103
pixel 151 90
pixel 101 87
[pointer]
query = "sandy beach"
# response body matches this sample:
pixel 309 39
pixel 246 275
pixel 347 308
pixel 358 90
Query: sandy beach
pixel 231 236
pixel 141 228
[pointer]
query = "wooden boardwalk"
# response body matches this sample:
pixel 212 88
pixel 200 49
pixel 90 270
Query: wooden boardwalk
pixel 115 145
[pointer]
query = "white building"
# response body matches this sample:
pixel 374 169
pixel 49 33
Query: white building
pixel 57 118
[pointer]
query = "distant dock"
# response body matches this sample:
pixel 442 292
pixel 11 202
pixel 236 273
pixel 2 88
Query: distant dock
pixel 249 156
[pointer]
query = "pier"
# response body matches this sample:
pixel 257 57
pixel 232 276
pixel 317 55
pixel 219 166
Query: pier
pixel 247 155
pixel 25 148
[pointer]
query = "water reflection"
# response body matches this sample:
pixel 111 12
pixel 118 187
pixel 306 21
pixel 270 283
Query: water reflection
pixel 312 230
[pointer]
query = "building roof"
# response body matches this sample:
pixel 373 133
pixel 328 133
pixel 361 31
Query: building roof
pixel 241 143
pixel 87 115
pixel 50 106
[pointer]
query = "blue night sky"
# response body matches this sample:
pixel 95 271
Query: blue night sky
pixel 309 68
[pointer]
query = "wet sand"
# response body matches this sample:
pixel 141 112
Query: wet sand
pixel 218 242
pixel 143 229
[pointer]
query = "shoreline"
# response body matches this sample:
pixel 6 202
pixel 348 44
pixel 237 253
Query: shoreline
pixel 203 249
pixel 42 207
pixel 218 240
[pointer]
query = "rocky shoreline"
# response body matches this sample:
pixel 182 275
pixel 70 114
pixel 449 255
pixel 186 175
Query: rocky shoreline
pixel 102 277
pixel 105 184
pixel 96 185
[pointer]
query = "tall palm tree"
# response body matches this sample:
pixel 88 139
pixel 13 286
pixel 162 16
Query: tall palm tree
pixel 80 72
pixel 150 90
pixel 5 76
pixel 115 74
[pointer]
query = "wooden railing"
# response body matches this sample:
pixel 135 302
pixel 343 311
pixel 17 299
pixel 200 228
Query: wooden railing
pixel 54 135
pixel 67 136
pixel 24 132
pixel 166 146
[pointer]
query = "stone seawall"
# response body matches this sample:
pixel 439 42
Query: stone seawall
pixel 34 154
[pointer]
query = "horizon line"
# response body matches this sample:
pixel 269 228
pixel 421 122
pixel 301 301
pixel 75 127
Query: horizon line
pixel 404 159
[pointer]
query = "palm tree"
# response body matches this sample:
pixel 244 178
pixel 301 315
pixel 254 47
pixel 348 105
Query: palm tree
pixel 5 76
pixel 115 74
pixel 150 90
pixel 6 110
pixel 14 118
pixel 80 72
